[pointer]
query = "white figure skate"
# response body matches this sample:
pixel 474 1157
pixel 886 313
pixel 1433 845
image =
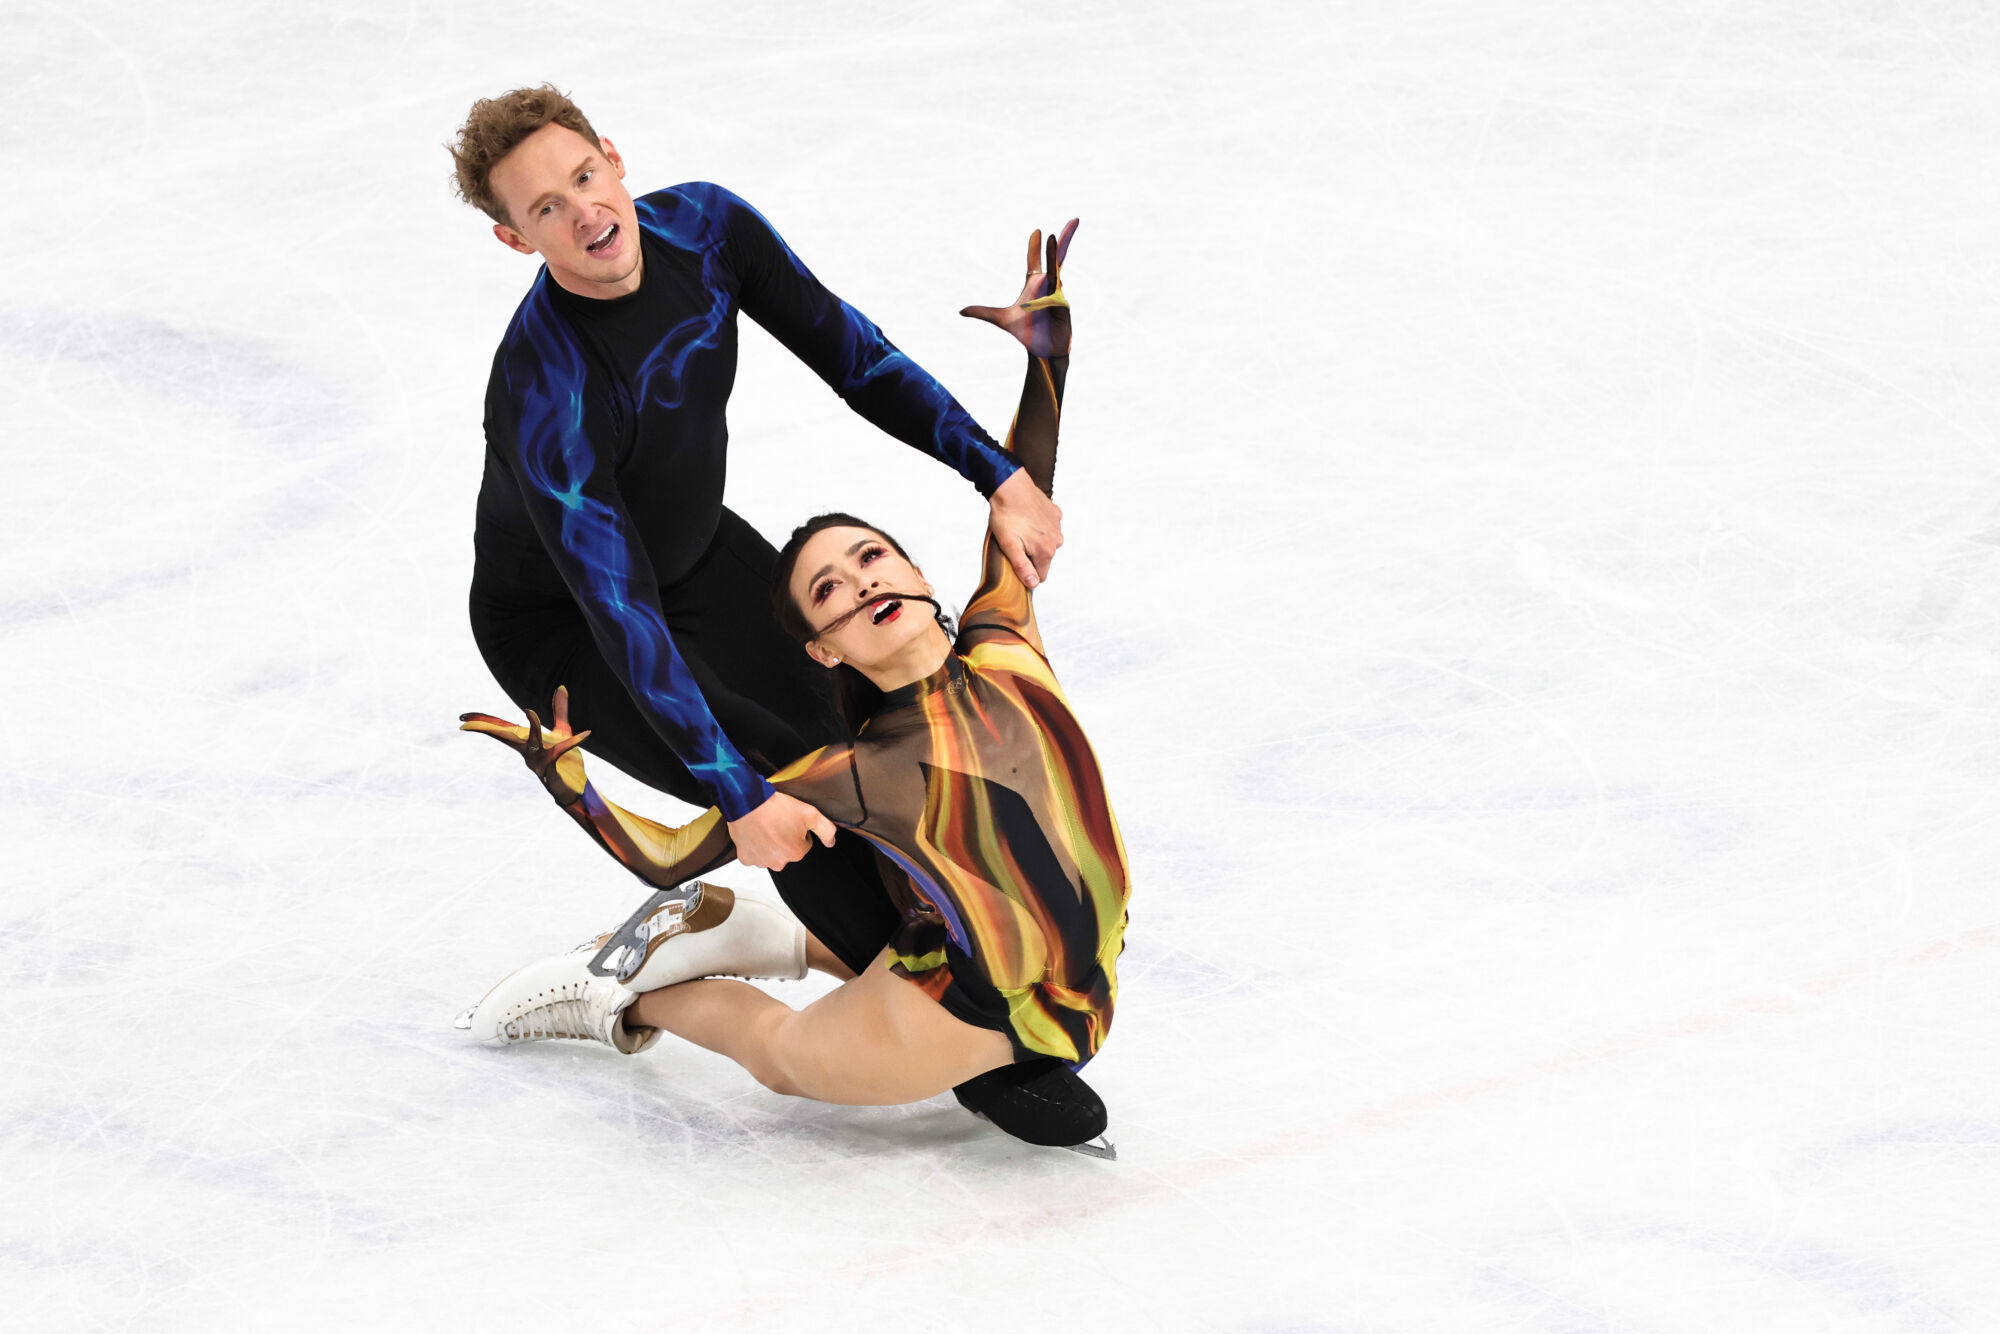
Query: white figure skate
pixel 557 997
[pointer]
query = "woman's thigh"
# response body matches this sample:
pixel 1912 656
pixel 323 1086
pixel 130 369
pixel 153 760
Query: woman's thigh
pixel 877 1039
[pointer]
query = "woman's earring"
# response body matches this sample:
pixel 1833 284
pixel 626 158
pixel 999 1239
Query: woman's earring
pixel 834 663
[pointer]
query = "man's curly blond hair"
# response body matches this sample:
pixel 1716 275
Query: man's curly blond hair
pixel 494 128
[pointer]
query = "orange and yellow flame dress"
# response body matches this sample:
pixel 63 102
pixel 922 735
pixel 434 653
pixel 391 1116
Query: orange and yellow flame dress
pixel 979 791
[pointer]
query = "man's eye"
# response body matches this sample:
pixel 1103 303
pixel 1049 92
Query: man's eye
pixel 585 178
pixel 545 210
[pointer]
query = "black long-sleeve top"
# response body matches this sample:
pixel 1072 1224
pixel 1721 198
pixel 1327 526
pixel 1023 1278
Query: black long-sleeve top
pixel 606 440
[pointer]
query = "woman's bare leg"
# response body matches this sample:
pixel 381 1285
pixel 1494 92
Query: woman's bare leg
pixel 875 1040
pixel 820 959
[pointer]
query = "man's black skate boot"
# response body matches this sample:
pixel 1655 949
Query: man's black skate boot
pixel 1041 1102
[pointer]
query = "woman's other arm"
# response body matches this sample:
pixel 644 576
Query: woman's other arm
pixel 657 853
pixel 1040 320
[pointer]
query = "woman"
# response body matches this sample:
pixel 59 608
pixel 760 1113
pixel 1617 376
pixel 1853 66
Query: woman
pixel 968 775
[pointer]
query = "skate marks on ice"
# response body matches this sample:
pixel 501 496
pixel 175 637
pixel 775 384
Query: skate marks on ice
pixel 1395 1113
pixel 1628 1273
pixel 168 452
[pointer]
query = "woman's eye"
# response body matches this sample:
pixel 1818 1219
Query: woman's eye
pixel 819 594
pixel 872 553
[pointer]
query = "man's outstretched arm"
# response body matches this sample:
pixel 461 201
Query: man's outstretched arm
pixel 847 350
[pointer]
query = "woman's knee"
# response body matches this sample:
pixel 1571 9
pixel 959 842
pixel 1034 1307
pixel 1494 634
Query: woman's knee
pixel 774 1032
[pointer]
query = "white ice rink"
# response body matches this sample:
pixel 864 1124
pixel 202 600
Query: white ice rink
pixel 1532 502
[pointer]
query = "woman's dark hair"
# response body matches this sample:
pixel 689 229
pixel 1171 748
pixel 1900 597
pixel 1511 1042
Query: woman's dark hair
pixel 854 693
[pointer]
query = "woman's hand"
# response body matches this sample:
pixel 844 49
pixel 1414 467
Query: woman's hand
pixel 779 832
pixel 1039 317
pixel 552 755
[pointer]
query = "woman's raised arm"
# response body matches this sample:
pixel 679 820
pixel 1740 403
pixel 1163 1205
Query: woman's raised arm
pixel 1040 320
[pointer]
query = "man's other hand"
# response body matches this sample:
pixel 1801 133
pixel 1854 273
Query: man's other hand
pixel 779 832
pixel 1028 527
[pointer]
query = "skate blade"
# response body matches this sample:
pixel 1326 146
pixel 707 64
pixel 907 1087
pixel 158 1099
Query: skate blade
pixel 464 1020
pixel 1100 1148
pixel 625 953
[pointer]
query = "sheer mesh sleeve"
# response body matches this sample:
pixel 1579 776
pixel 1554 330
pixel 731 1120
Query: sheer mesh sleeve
pixel 1003 602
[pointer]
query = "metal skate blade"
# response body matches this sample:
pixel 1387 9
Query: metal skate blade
pixel 624 950
pixel 464 1020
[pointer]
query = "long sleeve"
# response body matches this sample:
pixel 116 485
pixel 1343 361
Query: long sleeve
pixel 553 428
pixel 846 349
pixel 671 855
pixel 1003 602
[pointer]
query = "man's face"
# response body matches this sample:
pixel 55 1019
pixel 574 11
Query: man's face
pixel 567 201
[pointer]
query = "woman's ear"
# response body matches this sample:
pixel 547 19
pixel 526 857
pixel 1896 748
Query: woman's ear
pixel 821 655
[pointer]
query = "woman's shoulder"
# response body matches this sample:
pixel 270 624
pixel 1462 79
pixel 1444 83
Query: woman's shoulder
pixel 827 779
pixel 1001 651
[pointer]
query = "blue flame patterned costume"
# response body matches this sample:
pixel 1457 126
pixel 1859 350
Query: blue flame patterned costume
pixel 606 442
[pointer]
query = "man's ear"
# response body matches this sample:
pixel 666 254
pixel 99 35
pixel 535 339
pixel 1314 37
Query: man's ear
pixel 512 239
pixel 610 151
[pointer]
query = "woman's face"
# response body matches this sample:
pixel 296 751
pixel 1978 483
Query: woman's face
pixel 841 569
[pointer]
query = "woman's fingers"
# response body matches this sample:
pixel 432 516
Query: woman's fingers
pixel 990 314
pixel 483 722
pixel 1059 248
pixel 561 703
pixel 567 744
pixel 498 728
pixel 1035 251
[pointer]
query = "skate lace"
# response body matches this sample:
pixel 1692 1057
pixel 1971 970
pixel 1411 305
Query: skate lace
pixel 567 1016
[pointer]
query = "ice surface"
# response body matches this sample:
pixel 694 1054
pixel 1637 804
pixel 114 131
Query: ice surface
pixel 1533 500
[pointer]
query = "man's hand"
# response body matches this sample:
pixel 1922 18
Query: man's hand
pixel 1027 525
pixel 778 833
pixel 551 755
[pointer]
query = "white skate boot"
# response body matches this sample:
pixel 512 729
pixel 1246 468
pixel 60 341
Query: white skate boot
pixel 557 998
pixel 699 930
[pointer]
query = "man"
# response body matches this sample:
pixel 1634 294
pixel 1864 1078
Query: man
pixel 604 558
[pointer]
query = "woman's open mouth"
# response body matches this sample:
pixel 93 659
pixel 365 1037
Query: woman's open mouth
pixel 888 611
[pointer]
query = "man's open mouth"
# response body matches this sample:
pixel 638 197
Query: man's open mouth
pixel 604 238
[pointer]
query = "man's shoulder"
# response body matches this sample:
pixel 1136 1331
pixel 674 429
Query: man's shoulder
pixel 538 350
pixel 693 214
pixel 692 194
